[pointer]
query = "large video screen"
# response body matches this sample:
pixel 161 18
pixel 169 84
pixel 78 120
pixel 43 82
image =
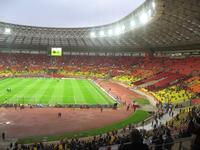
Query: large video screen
pixel 56 51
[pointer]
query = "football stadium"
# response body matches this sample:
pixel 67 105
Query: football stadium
pixel 131 82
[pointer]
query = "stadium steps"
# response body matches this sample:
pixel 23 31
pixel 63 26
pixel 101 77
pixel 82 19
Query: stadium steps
pixel 152 78
pixel 149 83
pixel 6 143
pixel 163 120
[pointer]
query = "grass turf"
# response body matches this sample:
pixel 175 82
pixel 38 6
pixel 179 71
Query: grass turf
pixel 136 117
pixel 142 101
pixel 52 91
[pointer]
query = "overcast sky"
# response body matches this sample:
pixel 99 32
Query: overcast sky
pixel 65 13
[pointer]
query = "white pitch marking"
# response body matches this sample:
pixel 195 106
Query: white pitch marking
pixel 74 99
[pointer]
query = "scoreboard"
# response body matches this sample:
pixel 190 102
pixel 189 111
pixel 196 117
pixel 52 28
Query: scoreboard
pixel 56 51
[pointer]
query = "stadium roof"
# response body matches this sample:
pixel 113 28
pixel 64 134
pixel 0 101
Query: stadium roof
pixel 65 13
pixel 156 25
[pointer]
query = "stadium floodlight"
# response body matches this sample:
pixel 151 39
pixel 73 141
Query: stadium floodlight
pixel 101 33
pixel 132 23
pixel 149 13
pixel 144 18
pixel 153 5
pixel 123 28
pixel 7 31
pixel 117 30
pixel 92 34
pixel 110 32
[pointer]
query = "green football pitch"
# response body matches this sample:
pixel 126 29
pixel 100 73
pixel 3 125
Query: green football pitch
pixel 48 91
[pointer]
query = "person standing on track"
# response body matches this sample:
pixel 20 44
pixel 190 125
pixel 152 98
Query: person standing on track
pixel 59 115
pixel 3 136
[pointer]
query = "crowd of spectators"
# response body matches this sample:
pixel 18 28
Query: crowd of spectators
pixel 117 65
pixel 174 94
